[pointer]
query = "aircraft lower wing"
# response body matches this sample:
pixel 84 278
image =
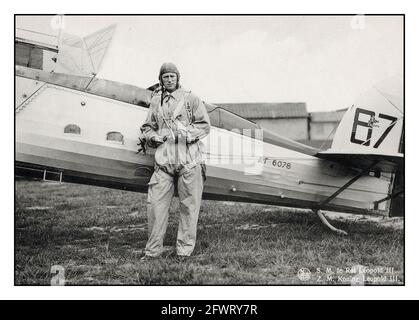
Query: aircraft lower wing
pixel 380 162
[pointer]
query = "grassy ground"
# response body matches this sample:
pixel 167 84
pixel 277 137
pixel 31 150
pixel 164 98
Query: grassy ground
pixel 97 235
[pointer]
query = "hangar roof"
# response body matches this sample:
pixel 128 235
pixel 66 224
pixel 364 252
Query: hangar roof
pixel 327 116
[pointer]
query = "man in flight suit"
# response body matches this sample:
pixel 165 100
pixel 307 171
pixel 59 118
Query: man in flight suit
pixel 176 122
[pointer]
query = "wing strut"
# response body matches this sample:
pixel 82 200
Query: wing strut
pixel 333 196
pixel 391 196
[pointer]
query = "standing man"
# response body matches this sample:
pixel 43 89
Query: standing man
pixel 177 120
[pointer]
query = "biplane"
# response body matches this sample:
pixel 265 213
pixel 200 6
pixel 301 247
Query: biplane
pixel 72 126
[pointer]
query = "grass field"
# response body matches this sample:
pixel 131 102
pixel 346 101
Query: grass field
pixel 97 235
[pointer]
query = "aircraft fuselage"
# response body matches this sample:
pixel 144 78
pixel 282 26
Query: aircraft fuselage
pixel 92 139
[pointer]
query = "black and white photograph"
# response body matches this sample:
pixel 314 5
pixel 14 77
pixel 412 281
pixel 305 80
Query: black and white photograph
pixel 209 150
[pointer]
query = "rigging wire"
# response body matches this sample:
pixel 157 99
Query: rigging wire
pixel 37 32
pixel 388 100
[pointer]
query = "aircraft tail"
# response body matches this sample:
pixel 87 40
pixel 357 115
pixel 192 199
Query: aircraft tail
pixel 374 124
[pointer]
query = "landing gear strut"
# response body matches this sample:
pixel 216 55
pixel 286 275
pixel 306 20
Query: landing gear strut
pixel 341 189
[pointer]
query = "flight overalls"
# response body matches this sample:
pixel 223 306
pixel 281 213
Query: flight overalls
pixel 181 119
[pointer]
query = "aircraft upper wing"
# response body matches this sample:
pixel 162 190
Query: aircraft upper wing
pixel 83 56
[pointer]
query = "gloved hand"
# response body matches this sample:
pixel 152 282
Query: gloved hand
pixel 189 139
pixel 184 136
pixel 155 141
pixel 142 142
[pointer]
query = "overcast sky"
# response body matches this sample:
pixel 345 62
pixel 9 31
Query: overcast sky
pixel 325 61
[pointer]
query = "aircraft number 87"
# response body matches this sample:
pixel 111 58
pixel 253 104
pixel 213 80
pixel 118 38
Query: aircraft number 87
pixel 370 125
